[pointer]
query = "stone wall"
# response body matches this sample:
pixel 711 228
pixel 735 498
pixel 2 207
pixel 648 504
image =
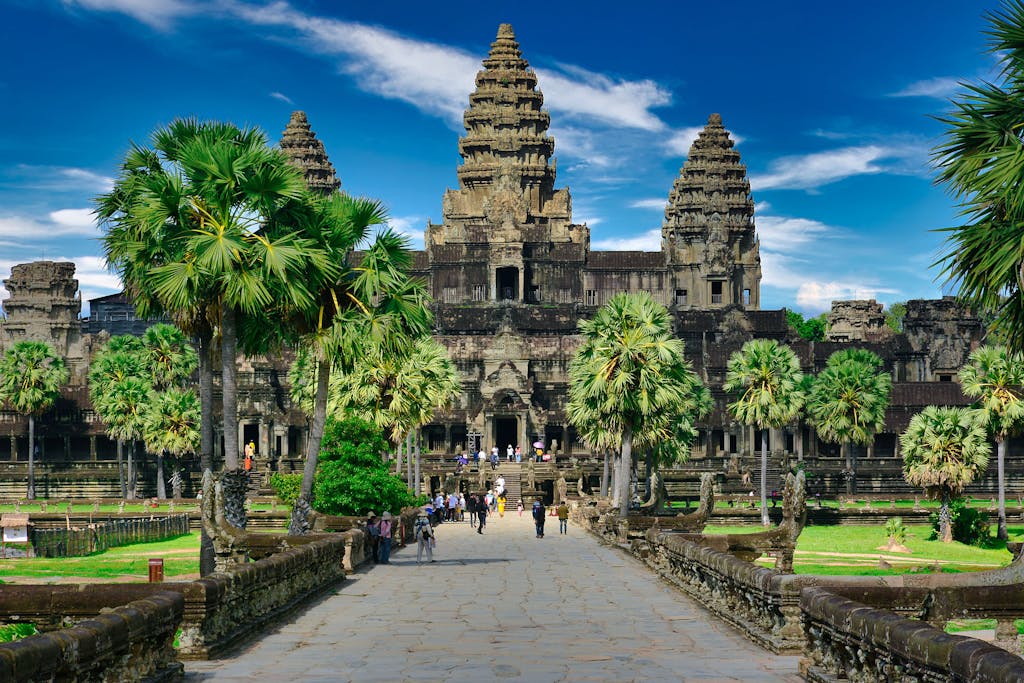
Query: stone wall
pixel 130 643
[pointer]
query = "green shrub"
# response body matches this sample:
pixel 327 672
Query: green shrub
pixel 286 486
pixel 352 478
pixel 895 530
pixel 12 632
pixel 970 525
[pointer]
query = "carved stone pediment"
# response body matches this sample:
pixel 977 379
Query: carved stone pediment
pixel 504 378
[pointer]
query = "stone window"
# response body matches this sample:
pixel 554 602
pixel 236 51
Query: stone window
pixel 716 292
pixel 591 297
pixel 449 295
pixel 681 297
pixel 945 378
pixel 534 295
pixel 478 292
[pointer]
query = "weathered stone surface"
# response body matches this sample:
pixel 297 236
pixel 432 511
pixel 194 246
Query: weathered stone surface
pixel 307 153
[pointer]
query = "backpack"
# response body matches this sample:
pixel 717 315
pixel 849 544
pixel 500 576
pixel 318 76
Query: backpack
pixel 423 529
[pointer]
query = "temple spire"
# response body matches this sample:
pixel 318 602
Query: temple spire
pixel 307 153
pixel 506 126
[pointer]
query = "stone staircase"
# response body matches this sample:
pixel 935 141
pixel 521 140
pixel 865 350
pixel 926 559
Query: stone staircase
pixel 512 471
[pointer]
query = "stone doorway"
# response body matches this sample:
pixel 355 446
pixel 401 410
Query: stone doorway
pixel 507 280
pixel 505 432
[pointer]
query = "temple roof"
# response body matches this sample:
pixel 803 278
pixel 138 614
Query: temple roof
pixel 712 182
pixel 506 125
pixel 307 153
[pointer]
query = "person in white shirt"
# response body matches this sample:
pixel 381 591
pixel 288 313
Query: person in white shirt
pixel 510 452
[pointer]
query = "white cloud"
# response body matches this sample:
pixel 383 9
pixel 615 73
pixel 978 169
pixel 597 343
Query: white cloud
pixel 782 234
pixel 809 171
pixel 155 13
pixel 281 96
pixel 61 223
pixel 654 203
pixel 940 87
pixel 818 296
pixel 587 94
pixel 410 226
pixel 648 241
pixel 681 140
pixel 60 179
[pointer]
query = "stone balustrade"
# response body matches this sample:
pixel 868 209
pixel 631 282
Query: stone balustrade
pixel 130 643
pixel 847 640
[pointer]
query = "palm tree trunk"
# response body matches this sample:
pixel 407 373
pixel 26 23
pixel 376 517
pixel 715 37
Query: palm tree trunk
pixel 604 476
pixel 649 467
pixel 416 486
pixel 300 510
pixel 31 492
pixel 1001 532
pixel 161 488
pixel 616 459
pixel 176 480
pixel 234 480
pixel 131 470
pixel 398 459
pixel 945 523
pixel 120 469
pixel 764 478
pixel 207 554
pixel 625 465
pixel 848 452
pixel 408 460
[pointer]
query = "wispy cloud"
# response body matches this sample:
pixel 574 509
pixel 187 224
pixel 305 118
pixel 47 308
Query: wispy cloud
pixel 940 87
pixel 809 171
pixel 654 203
pixel 57 178
pixel 282 97
pixel 156 13
pixel 411 227
pixel 61 223
pixel 681 140
pixel 648 241
pixel 778 233
pixel 817 297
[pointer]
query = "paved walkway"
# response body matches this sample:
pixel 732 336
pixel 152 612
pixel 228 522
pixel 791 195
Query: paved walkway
pixel 503 606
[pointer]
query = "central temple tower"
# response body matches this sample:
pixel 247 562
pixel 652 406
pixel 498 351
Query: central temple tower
pixel 508 235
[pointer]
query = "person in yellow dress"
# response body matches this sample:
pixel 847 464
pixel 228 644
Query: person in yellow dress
pixel 501 505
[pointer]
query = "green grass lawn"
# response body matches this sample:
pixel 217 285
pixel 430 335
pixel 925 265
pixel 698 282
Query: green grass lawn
pixel 127 563
pixel 836 550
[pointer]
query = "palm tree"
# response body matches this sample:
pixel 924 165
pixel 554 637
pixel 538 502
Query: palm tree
pixel 847 403
pixel 171 426
pixel 765 376
pixel 116 360
pixel 628 371
pixel 123 405
pixel 31 376
pixel 981 164
pixel 203 226
pixel 944 449
pixel 171 359
pixel 995 376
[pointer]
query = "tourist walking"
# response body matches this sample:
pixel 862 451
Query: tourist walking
pixel 509 452
pixel 386 531
pixel 481 515
pixel 472 505
pixel 519 506
pixel 373 529
pixel 563 518
pixel 424 536
pixel 438 507
pixel 501 505
pixel 461 509
pixel 494 458
pixel 453 502
pixel 538 517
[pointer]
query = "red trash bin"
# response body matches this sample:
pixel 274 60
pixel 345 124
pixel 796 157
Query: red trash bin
pixel 156 570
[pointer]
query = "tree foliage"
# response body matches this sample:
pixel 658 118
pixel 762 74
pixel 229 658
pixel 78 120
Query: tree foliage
pixel 981 161
pixel 351 478
pixel 894 314
pixel 811 329
pixel 849 397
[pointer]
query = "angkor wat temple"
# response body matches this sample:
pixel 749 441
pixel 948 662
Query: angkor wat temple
pixel 511 274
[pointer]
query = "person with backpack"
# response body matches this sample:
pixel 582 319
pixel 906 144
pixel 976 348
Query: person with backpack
pixel 538 517
pixel 424 535
pixel 481 513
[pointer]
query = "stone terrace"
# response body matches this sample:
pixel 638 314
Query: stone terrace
pixel 505 606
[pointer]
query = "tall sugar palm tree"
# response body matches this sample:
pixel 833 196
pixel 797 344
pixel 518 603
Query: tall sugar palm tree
pixel 124 403
pixel 944 450
pixel 995 376
pixel 627 372
pixel 31 376
pixel 765 377
pixel 118 359
pixel 169 355
pixel 980 162
pixel 847 403
pixel 201 226
pixel 171 426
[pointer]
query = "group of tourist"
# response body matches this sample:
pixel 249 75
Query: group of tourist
pixel 381 531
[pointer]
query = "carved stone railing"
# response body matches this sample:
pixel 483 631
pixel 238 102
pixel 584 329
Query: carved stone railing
pixel 130 643
pixel 847 640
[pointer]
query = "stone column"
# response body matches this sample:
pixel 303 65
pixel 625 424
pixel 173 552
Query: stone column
pixel 218 438
pixel 488 435
pixel 264 443
pixel 241 437
pixel 524 442
pixel 92 448
pixel 284 443
pixel 448 448
pixel 14 448
pixel 727 442
pixel 799 437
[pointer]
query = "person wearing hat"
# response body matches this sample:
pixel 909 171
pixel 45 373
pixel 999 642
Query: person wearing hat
pixel 385 538
pixel 373 529
pixel 424 536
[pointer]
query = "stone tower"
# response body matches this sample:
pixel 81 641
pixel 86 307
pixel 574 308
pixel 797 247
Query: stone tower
pixel 708 234
pixel 508 235
pixel 307 153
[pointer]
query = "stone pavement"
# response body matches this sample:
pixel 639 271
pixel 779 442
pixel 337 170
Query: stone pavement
pixel 503 606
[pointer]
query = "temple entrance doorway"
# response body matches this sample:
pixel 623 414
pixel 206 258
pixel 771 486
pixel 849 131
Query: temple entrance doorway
pixel 505 433
pixel 508 284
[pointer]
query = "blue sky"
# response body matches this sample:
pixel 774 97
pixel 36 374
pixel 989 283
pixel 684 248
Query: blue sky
pixel 830 102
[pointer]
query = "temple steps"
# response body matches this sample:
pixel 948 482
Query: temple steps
pixel 512 472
